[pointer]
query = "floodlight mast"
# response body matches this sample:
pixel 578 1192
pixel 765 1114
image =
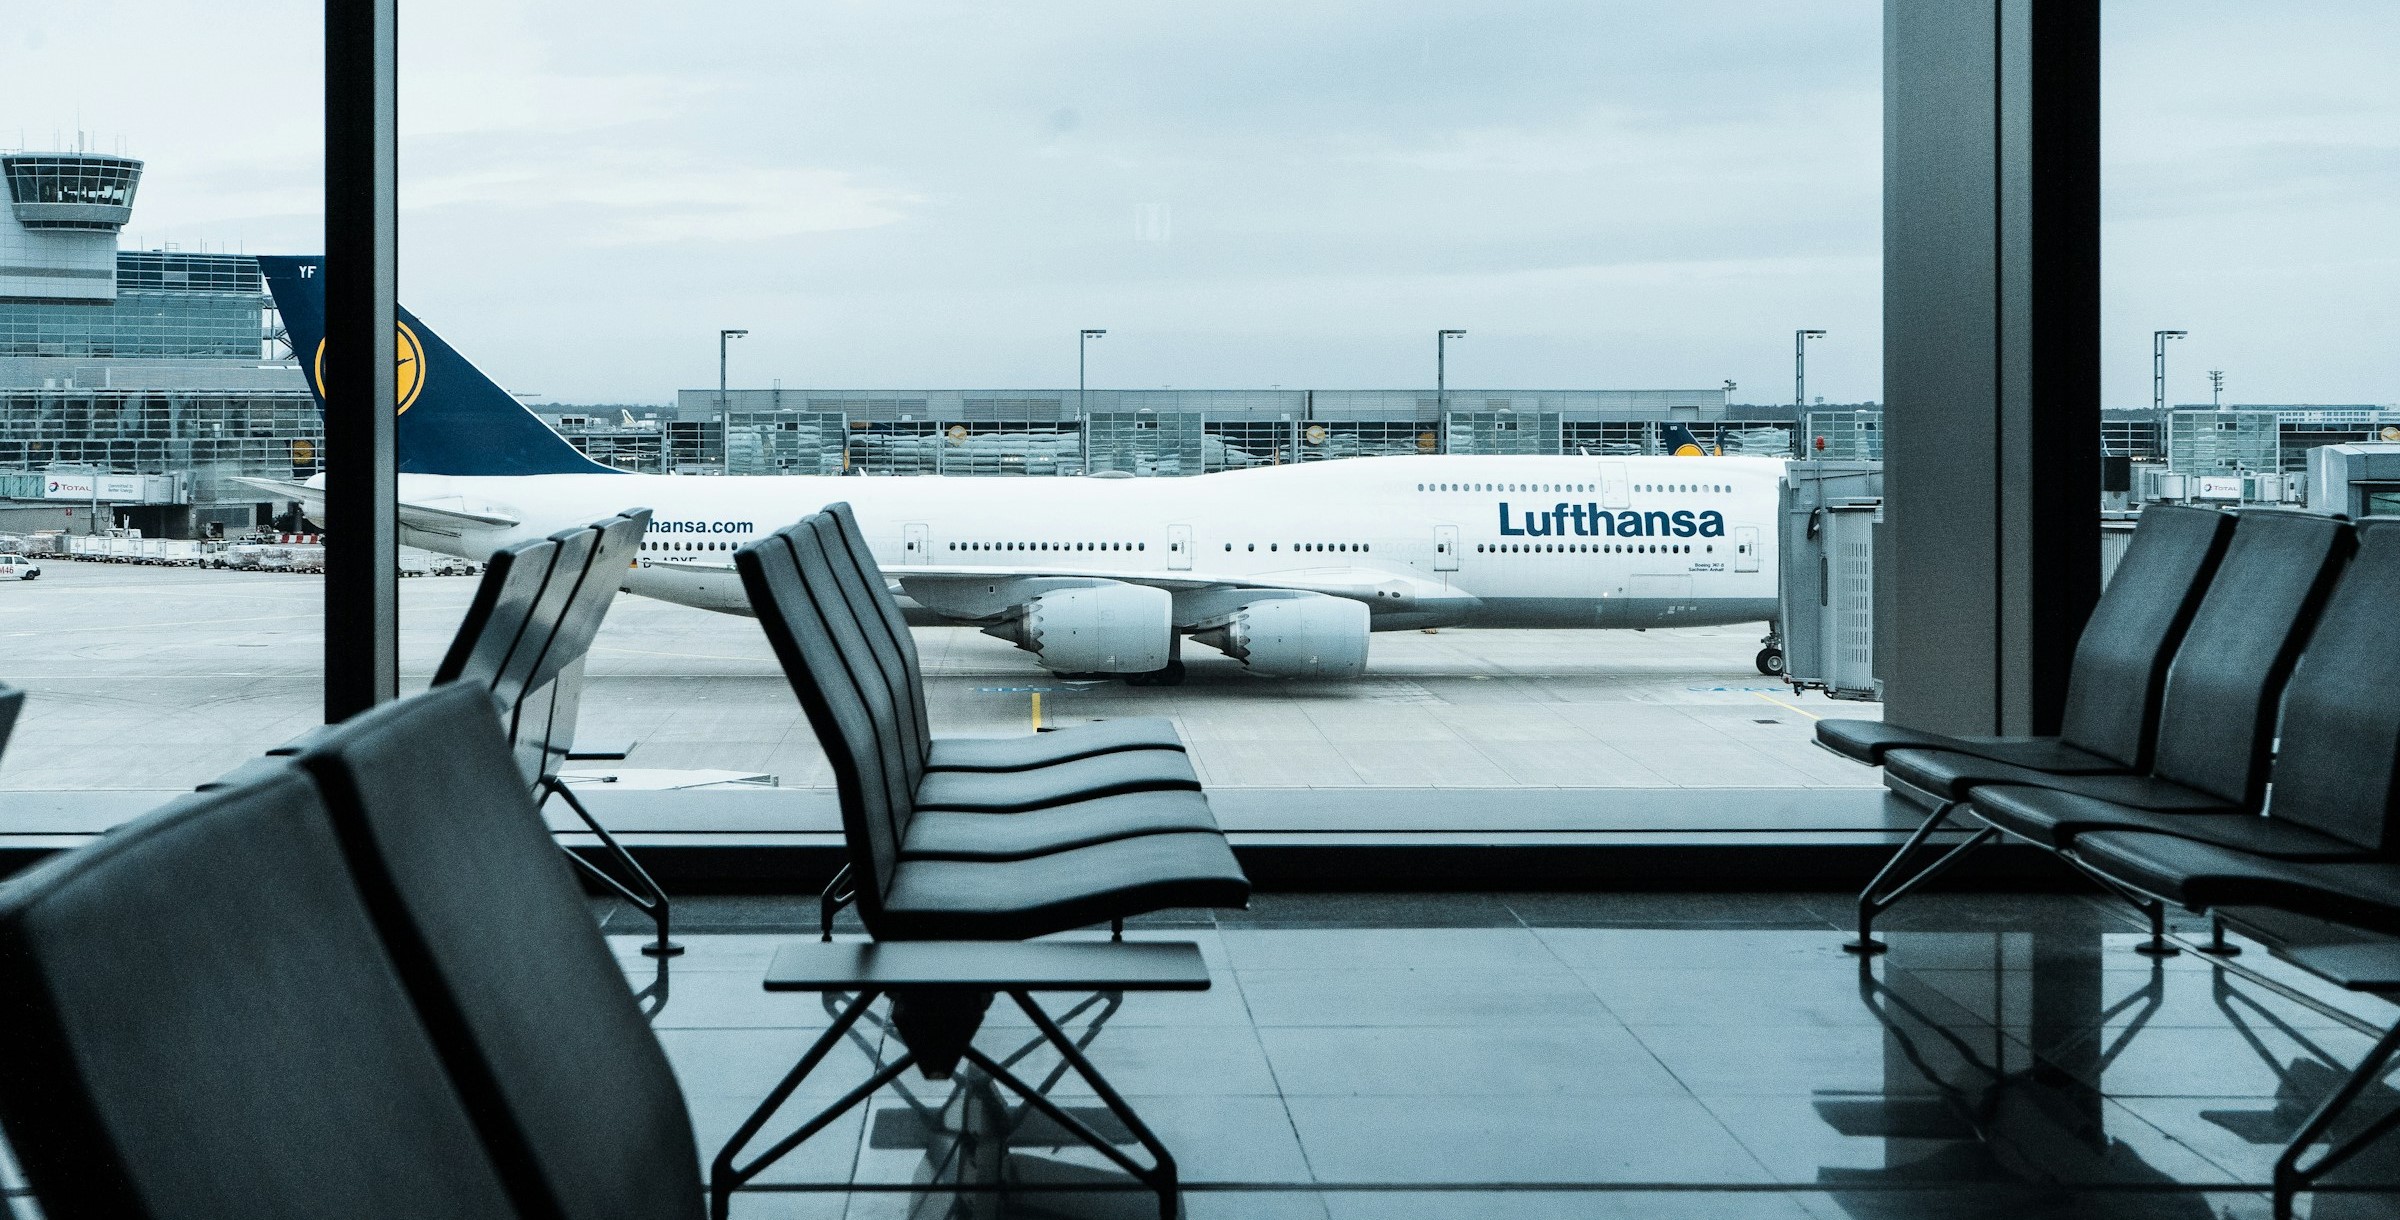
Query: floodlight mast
pixel 2158 383
pixel 1441 368
pixel 1800 340
pixel 722 337
pixel 1083 339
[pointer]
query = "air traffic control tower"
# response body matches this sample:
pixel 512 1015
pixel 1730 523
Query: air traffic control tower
pixel 58 242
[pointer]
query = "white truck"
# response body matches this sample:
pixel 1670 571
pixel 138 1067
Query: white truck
pixel 18 567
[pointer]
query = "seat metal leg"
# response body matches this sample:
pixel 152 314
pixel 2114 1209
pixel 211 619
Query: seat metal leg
pixel 1876 899
pixel 1161 1176
pixel 2291 1177
pixel 830 901
pixel 2218 946
pixel 724 1176
pixel 644 893
pixel 2158 945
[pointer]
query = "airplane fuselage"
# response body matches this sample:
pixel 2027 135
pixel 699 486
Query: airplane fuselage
pixel 1423 541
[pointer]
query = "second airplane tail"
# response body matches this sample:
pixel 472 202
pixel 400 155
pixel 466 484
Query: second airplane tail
pixel 453 419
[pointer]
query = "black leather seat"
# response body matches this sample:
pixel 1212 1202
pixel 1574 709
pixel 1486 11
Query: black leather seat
pixel 2216 721
pixel 201 1023
pixel 496 944
pixel 1019 753
pixel 1082 800
pixel 1008 895
pixel 512 582
pixel 887 647
pixel 2336 794
pixel 2120 667
pixel 524 638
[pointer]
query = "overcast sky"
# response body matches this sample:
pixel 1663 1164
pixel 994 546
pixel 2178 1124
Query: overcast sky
pixel 896 194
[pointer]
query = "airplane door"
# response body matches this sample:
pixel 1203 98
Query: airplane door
pixel 1615 490
pixel 913 548
pixel 1745 548
pixel 1179 547
pixel 1445 548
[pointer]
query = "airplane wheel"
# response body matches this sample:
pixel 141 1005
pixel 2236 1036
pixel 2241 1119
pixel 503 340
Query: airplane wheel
pixel 1172 675
pixel 1770 662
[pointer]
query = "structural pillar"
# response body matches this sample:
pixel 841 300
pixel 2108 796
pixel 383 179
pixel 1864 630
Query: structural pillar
pixel 1990 558
pixel 362 543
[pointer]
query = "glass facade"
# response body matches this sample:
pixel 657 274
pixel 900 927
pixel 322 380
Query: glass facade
pixel 169 305
pixel 186 390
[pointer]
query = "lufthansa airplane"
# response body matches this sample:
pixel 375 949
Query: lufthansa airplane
pixel 1287 569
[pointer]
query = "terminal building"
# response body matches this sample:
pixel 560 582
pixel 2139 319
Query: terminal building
pixel 1171 432
pixel 136 386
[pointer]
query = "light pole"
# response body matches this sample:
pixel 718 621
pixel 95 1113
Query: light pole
pixel 1800 340
pixel 1441 368
pixel 2216 388
pixel 2158 383
pixel 1083 339
pixel 722 337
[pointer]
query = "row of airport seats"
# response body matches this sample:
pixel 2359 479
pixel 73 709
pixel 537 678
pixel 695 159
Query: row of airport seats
pixel 354 977
pixel 354 980
pixel 525 637
pixel 2229 746
pixel 961 843
pixel 1059 829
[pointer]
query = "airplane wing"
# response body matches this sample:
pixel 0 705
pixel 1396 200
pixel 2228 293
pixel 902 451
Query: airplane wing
pixel 432 518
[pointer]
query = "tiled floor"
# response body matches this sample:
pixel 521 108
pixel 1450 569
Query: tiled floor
pixel 1572 1055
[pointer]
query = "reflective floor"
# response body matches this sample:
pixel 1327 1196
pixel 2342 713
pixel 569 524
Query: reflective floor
pixel 1572 1055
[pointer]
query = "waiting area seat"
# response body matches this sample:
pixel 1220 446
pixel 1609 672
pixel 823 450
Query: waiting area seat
pixel 1040 869
pixel 846 650
pixel 2278 709
pixel 863 580
pixel 2214 728
pixel 203 1023
pixel 402 950
pixel 2120 667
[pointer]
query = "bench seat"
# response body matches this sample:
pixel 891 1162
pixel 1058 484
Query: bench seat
pixel 937 834
pixel 1052 746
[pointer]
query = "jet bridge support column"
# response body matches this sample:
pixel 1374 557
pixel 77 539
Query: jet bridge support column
pixel 1991 546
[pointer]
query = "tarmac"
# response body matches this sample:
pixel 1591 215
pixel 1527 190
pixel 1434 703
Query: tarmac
pixel 146 678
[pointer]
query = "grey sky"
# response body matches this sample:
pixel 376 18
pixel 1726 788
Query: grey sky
pixel 897 194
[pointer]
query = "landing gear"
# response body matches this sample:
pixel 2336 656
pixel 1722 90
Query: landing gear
pixel 1770 658
pixel 1172 675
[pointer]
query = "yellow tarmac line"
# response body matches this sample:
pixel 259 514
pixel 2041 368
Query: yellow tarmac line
pixel 1780 703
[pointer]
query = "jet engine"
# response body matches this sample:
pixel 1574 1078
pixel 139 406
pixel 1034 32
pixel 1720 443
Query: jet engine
pixel 1109 628
pixel 1306 635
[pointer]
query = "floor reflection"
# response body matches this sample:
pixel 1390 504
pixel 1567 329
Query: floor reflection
pixel 1565 1055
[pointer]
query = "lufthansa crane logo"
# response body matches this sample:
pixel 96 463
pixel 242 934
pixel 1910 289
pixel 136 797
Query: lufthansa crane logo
pixel 411 370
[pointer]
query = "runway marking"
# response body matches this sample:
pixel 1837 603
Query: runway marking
pixel 1780 703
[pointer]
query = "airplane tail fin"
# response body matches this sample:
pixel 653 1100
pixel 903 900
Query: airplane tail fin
pixel 453 419
pixel 1678 441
